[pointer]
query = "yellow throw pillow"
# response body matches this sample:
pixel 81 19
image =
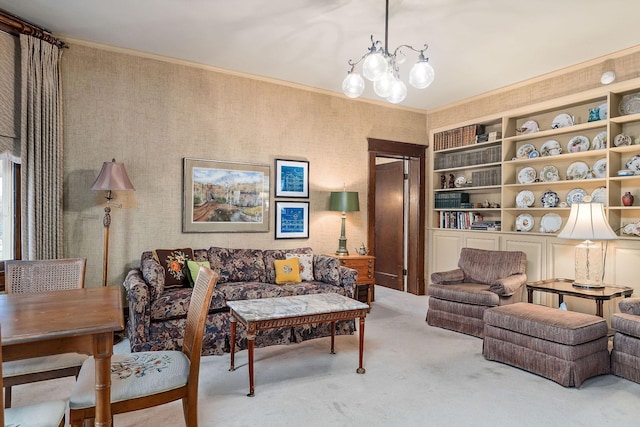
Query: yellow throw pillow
pixel 194 269
pixel 287 270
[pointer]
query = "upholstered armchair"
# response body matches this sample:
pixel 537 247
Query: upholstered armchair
pixel 483 279
pixel 625 355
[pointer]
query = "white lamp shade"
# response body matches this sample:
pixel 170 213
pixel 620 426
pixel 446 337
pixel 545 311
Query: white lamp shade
pixel 375 66
pixel 112 176
pixel 587 222
pixel 353 85
pixel 421 75
pixel 398 92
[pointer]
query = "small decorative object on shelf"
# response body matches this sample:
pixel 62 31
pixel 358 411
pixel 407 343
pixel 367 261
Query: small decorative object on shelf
pixel 627 199
pixel 443 181
pixel 362 250
pixel 452 181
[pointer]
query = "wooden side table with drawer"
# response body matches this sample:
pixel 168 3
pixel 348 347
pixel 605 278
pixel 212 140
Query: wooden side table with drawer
pixel 365 266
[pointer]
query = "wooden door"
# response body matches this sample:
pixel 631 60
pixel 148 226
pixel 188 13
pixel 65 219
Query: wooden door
pixel 389 225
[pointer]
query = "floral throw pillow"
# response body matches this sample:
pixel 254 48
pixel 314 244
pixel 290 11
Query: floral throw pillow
pixel 306 265
pixel 174 262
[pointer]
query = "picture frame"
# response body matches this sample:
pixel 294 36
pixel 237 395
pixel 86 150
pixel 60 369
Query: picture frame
pixel 292 220
pixel 225 197
pixel 292 178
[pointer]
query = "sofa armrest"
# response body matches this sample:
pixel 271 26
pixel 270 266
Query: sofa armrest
pixel 447 277
pixel 348 280
pixel 139 301
pixel 630 306
pixel 509 285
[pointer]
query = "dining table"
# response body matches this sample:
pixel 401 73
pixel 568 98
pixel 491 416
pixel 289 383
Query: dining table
pixel 77 320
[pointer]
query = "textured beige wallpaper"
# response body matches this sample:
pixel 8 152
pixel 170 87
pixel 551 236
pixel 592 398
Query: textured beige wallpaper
pixel 150 114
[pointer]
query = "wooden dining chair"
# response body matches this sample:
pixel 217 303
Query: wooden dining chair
pixel 45 414
pixel 42 276
pixel 145 379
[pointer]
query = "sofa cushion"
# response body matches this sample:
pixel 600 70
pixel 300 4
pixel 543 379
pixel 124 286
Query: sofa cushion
pixel 193 268
pixel 305 262
pixel 237 265
pixel 307 288
pixel 628 324
pixel 483 266
pixel 174 262
pixel 235 291
pixel 271 255
pixel 467 293
pixel 287 270
pixel 326 269
pixel 174 304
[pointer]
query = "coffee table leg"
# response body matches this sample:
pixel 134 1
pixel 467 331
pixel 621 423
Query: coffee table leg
pixel 333 337
pixel 360 369
pixel 530 296
pixel 599 308
pixel 250 342
pixel 232 344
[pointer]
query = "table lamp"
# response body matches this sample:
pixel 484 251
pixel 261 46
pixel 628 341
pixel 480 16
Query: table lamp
pixel 587 222
pixel 112 177
pixel 343 201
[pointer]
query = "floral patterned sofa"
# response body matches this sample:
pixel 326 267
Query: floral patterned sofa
pixel 157 311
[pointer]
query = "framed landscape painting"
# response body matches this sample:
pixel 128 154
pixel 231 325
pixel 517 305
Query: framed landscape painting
pixel 292 178
pixel 225 197
pixel 292 220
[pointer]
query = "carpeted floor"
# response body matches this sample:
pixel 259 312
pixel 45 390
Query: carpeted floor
pixel 416 375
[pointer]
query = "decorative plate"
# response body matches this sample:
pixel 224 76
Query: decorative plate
pixel 633 228
pixel 527 175
pixel 577 170
pixel 530 126
pixel 551 148
pixel 577 144
pixel 550 199
pixel 603 111
pixel 460 181
pixel 549 174
pixel 524 151
pixel 630 104
pixel 600 168
pixel 599 195
pixel 634 164
pixel 524 199
pixel 622 140
pixel 550 222
pixel 562 121
pixel 599 141
pixel 575 196
pixel 524 222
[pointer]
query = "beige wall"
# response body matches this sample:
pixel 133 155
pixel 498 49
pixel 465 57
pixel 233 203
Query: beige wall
pixel 150 114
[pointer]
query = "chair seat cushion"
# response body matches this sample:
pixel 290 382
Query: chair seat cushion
pixel 42 364
pixel 467 293
pixel 46 414
pixel 133 375
pixel 627 324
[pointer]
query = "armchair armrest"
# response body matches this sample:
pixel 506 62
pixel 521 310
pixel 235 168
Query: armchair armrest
pixel 139 301
pixel 630 306
pixel 509 285
pixel 448 277
pixel 348 280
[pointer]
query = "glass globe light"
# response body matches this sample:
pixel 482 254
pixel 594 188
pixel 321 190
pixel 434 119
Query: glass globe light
pixel 422 74
pixel 382 86
pixel 398 92
pixel 353 85
pixel 375 66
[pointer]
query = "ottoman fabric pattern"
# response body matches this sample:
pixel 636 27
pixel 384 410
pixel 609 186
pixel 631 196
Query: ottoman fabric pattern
pixel 563 346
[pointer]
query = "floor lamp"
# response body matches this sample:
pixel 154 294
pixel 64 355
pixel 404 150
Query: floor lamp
pixel 343 201
pixel 112 177
pixel 587 222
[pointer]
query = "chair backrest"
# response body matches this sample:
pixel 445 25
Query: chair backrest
pixel 197 317
pixel 44 275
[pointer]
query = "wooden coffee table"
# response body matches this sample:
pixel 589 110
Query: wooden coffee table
pixel 271 313
pixel 563 287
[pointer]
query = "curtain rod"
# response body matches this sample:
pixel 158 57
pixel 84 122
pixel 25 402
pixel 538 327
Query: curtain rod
pixel 16 26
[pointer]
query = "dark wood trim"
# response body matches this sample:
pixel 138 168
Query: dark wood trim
pixel 401 150
pixel 15 25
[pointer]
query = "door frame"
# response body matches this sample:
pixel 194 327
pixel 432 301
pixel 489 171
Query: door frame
pixel 416 247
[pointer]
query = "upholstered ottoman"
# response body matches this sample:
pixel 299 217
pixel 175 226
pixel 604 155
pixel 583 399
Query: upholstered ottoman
pixel 564 346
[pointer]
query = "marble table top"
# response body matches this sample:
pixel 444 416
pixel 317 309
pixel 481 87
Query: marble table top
pixel 254 310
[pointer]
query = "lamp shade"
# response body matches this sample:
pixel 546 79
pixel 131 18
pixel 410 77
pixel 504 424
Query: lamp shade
pixel 344 201
pixel 587 222
pixel 113 176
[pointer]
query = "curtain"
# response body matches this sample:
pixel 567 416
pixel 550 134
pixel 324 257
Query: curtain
pixel 41 150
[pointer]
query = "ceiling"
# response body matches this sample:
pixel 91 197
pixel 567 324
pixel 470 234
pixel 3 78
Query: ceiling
pixel 475 46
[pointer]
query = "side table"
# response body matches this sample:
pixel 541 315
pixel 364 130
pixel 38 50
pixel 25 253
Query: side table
pixel 365 266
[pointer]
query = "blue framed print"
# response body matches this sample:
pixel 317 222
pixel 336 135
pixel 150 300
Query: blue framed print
pixel 292 178
pixel 292 220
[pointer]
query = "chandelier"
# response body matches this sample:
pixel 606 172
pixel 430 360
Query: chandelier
pixel 382 68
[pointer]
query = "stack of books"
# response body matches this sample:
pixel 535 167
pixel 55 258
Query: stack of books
pixel 487 225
